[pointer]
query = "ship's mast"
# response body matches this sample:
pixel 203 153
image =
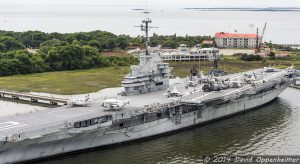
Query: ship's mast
pixel 145 27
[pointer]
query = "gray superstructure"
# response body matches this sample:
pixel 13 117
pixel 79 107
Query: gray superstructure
pixel 296 83
pixel 149 104
pixel 150 75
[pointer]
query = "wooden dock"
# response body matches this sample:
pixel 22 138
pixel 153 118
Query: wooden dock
pixel 33 98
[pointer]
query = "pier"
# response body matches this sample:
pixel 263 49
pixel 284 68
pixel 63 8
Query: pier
pixel 33 98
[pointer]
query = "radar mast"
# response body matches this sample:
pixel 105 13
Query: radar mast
pixel 145 27
pixel 151 74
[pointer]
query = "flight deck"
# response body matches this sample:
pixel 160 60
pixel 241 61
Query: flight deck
pixel 137 103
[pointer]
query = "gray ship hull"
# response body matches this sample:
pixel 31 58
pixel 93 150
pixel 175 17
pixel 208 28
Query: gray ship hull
pixel 60 142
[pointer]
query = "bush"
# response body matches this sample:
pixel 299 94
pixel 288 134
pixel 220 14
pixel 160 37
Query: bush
pixel 8 43
pixel 271 55
pixel 122 63
pixel 251 57
pixel 239 54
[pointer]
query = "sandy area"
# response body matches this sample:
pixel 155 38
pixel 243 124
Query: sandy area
pixel 233 51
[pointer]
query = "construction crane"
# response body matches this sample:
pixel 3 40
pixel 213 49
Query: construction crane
pixel 258 44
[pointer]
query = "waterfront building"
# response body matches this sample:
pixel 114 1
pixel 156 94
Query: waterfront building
pixel 184 53
pixel 235 40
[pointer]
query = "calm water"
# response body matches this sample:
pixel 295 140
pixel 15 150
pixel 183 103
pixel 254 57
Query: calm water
pixel 269 130
pixel 283 27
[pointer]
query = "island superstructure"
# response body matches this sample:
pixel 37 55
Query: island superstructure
pixel 148 104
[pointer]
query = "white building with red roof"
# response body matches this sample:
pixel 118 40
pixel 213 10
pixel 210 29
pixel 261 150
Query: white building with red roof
pixel 235 40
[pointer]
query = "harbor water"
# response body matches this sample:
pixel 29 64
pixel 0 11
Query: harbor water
pixel 283 27
pixel 269 130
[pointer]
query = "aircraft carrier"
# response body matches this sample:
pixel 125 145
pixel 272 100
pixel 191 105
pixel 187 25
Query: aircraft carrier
pixel 149 103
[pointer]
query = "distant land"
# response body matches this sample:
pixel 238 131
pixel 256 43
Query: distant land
pixel 138 9
pixel 272 9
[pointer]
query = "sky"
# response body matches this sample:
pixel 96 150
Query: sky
pixel 179 3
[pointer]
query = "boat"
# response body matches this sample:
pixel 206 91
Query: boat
pixel 148 104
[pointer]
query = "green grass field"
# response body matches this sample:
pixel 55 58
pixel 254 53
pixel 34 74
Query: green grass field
pixel 230 65
pixel 92 80
pixel 66 82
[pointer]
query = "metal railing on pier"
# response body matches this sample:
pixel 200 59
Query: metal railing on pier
pixel 33 98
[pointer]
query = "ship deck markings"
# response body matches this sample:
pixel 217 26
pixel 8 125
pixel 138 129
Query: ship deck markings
pixel 10 125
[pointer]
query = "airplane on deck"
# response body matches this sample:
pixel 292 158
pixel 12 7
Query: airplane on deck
pixel 79 101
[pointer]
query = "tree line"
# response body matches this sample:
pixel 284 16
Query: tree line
pixel 101 40
pixel 174 41
pixel 71 51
